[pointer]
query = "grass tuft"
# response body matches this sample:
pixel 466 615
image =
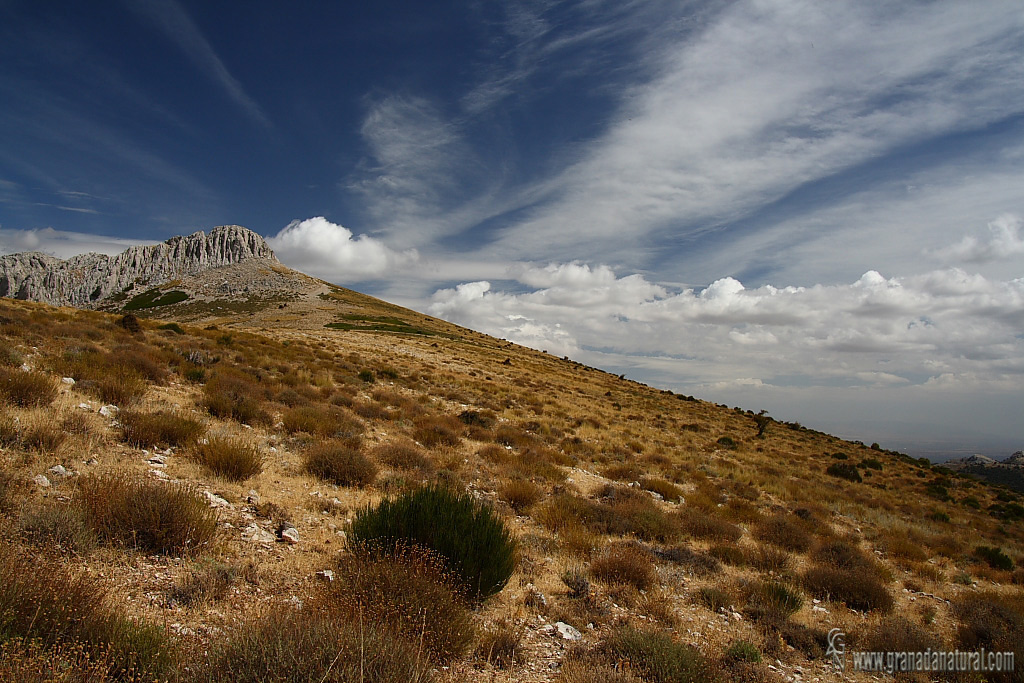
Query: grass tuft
pixel 233 459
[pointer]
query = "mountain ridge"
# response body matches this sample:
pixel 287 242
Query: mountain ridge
pixel 89 280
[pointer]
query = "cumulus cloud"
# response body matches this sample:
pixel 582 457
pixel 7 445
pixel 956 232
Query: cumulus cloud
pixel 876 331
pixel 62 243
pixel 1003 241
pixel 331 251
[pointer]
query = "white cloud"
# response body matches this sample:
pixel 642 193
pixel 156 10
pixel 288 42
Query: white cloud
pixel 876 331
pixel 1004 241
pixel 61 243
pixel 330 251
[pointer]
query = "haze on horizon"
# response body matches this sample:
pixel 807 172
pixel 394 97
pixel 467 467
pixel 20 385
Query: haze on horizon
pixel 809 208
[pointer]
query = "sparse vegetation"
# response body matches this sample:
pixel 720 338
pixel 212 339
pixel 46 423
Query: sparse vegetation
pixel 341 462
pixel 233 459
pixel 145 430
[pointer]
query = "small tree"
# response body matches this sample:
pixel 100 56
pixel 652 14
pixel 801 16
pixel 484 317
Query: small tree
pixel 762 421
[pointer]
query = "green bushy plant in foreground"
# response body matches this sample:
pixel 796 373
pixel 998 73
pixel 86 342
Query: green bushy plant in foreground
pixel 470 536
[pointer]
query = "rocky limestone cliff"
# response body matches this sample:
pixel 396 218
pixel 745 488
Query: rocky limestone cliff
pixel 85 281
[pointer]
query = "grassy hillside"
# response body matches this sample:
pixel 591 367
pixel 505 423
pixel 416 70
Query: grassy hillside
pixel 217 508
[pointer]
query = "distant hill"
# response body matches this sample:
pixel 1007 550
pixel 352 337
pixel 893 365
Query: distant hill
pixel 1008 472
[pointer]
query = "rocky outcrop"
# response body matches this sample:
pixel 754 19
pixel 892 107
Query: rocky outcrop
pixel 85 281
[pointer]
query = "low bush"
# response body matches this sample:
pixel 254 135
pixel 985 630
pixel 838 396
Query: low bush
pixel 843 555
pixel 992 621
pixel 437 430
pixel 520 493
pixel 994 557
pixel 153 516
pixel 768 559
pixel 122 388
pixel 625 512
pixel 40 599
pixel 730 554
pixel 341 462
pixel 624 563
pixel 44 433
pixel 743 651
pixel 235 396
pixel 703 526
pixel 714 599
pixel 698 564
pixel 303 645
pixel 205 583
pixel 844 470
pixel 27 389
pixel 325 421
pixel 900 635
pixel 472 539
pixel 500 644
pixel 233 459
pixel 401 455
pixel 772 601
pixel 860 589
pixel 663 488
pixel 783 532
pixel 659 657
pixel 146 430
pixel 58 526
pixel 406 589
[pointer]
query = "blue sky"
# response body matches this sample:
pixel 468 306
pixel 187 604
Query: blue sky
pixel 813 208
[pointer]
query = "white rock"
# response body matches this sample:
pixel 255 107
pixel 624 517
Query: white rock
pixel 109 410
pixel 41 480
pixel 84 406
pixel 253 498
pixel 290 535
pixel 160 474
pixel 157 460
pixel 567 632
pixel 325 575
pixel 25 367
pixel 58 472
pixel 215 501
pixel 67 380
pixel 255 534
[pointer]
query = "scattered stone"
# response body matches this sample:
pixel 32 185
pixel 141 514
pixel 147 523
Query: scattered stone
pixel 160 474
pixel 59 472
pixel 67 380
pixel 41 481
pixel 325 575
pixel 91 461
pixel 215 501
pixel 567 632
pixel 290 535
pixel 84 406
pixel 254 534
pixel 157 461
pixel 109 411
pixel 252 497
pixel 25 367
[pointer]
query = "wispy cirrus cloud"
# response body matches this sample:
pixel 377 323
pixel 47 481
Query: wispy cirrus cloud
pixel 175 23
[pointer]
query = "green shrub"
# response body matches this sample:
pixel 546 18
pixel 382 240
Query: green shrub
pixel 727 442
pixel 367 376
pixel 659 657
pixel 994 557
pixel 406 589
pixel 871 464
pixel 27 389
pixel 341 462
pixel 152 516
pixel 844 470
pixel 714 599
pixel 743 651
pixel 472 539
pixel 233 459
pixel 860 589
pixel 146 430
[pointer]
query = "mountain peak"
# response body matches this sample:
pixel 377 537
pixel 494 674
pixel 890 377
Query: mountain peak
pixel 86 280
